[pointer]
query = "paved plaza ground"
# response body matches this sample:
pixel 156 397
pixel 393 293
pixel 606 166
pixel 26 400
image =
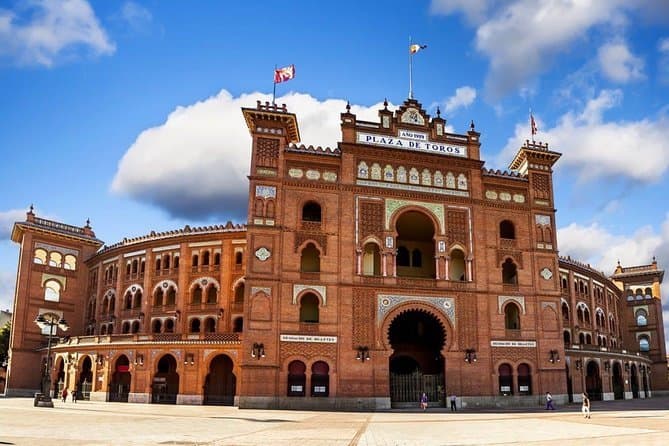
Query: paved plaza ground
pixel 635 422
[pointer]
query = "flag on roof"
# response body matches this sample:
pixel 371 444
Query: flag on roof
pixel 533 125
pixel 284 74
pixel 413 49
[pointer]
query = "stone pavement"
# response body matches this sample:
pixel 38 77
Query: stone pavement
pixel 640 422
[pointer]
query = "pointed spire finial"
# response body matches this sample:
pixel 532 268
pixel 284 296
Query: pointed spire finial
pixel 438 112
pixel 348 107
pixel 32 208
pixel 385 103
pixel 472 126
pixel 88 222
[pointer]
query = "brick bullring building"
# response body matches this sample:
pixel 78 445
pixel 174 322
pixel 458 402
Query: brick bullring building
pixel 390 265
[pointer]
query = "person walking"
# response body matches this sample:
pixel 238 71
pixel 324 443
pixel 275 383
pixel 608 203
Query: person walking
pixel 549 401
pixel 423 401
pixel 74 396
pixel 585 409
pixel 454 399
pixel 64 394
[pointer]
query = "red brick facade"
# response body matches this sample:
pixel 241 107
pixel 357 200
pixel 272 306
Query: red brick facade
pixel 392 264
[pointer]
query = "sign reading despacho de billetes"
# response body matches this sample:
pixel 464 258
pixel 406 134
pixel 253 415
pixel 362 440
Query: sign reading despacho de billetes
pixel 307 338
pixel 513 343
pixel 417 144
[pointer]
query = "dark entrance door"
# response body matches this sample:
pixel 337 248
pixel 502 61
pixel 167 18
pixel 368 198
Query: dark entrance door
pixel 416 365
pixel 618 387
pixel 165 386
pixel 85 379
pixel 119 387
pixel 570 388
pixel 220 384
pixel 634 382
pixel 593 382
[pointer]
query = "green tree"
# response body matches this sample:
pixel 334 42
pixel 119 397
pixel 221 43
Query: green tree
pixel 4 341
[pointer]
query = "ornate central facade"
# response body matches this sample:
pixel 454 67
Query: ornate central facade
pixel 391 265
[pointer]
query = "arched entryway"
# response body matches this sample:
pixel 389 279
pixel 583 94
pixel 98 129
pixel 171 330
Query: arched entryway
pixel 165 386
pixel 634 382
pixel 644 377
pixel 85 380
pixel 593 381
pixel 617 381
pixel 415 245
pixel 416 365
pixel 220 384
pixel 59 384
pixel 570 386
pixel 119 386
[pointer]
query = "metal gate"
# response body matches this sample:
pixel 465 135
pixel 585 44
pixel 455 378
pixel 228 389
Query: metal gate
pixel 406 389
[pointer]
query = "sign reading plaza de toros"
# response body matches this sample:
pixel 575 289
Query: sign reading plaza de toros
pixel 410 140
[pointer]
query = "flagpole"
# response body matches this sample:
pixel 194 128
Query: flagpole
pixel 410 71
pixel 274 89
pixel 531 126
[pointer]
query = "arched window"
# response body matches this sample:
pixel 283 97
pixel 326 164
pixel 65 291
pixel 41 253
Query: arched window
pixel 158 264
pixel 258 208
pixel 311 212
pixel 127 301
pixel 125 328
pixel 566 337
pixel 456 265
pixel 112 304
pixel 309 308
pixel 507 230
pixel 239 293
pixel 238 258
pixel 135 326
pixel 238 325
pixel 320 379
pixel 52 291
pixel 205 258
pixel 137 300
pixel 158 298
pixel 40 257
pixel 217 258
pixel 166 262
pixel 524 379
pixel 641 318
pixel 512 317
pixel 135 266
pixel 176 262
pixel 644 344
pixel 297 378
pixel 197 295
pixel 171 296
pixel 212 295
pixel 371 260
pixel 505 373
pixel 195 325
pixel 403 258
pixel 70 262
pixel 55 259
pixel 169 326
pixel 581 338
pixel 310 261
pixel 509 272
pixel 565 311
pixel 195 260
pixel 103 329
pixel 156 326
pixel 210 325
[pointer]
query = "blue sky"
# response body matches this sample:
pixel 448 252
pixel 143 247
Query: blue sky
pixel 127 113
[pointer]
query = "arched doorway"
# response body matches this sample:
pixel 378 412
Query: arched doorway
pixel 220 385
pixel 85 380
pixel 415 245
pixel 59 383
pixel 570 387
pixel 634 381
pixel 165 387
pixel 593 381
pixel 644 376
pixel 416 365
pixel 119 387
pixel 618 386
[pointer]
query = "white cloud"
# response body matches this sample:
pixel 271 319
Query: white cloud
pixel 619 64
pixel 521 38
pixel 7 286
pixel 663 45
pixel 136 15
pixel 7 220
pixel 663 60
pixel 41 31
pixel 594 148
pixel 195 164
pixel 463 97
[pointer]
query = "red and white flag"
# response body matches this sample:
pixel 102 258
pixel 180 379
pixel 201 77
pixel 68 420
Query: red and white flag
pixel 284 74
pixel 533 125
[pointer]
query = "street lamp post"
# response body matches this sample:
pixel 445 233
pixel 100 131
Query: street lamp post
pixel 51 322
